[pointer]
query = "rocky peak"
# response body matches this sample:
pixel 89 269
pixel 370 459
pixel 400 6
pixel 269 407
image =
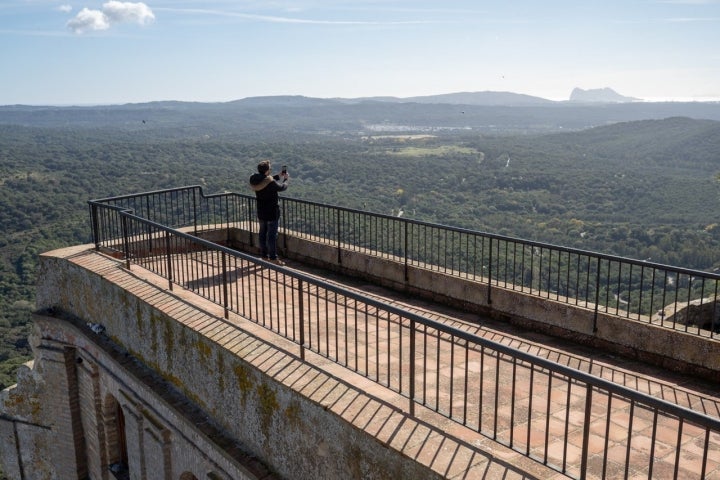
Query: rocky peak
pixel 599 95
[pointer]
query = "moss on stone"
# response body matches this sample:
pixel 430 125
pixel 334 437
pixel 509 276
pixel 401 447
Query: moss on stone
pixel 35 408
pixel 25 405
pixel 154 331
pixel 244 381
pixel 169 340
pixel 267 401
pixel 183 341
pixel 292 413
pixel 204 350
pixel 221 371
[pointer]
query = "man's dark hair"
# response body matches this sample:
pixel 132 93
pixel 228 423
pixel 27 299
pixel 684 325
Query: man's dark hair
pixel 263 166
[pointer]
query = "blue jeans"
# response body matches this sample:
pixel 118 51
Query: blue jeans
pixel 268 238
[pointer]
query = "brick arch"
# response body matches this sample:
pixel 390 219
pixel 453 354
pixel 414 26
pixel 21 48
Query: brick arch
pixel 188 476
pixel 115 435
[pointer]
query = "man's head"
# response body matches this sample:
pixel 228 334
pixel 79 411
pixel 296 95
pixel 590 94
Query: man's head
pixel 264 167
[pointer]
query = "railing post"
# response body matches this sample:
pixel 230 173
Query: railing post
pixel 586 433
pixel 148 228
pixel 490 271
pixel 282 220
pixel 249 210
pixel 412 367
pixel 597 296
pixel 405 232
pixel 225 285
pixel 95 226
pixel 169 260
pixel 227 220
pixel 337 233
pixel 195 214
pixel 715 323
pixel 301 318
pixel 126 240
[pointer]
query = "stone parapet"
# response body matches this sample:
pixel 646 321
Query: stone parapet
pixel 164 387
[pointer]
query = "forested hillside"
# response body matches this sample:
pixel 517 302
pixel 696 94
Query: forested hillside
pixel 646 189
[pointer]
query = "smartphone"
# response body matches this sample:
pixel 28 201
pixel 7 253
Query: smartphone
pixel 284 169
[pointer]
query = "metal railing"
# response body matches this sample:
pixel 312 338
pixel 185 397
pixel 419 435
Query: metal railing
pixel 670 297
pixel 573 422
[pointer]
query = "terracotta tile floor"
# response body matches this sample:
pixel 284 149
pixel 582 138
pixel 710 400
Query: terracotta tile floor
pixel 526 407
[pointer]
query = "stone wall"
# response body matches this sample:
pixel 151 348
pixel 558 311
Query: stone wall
pixel 65 413
pixel 126 371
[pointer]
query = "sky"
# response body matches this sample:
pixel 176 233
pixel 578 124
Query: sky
pixel 88 52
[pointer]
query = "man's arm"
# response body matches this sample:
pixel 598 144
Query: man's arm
pixel 263 183
pixel 281 182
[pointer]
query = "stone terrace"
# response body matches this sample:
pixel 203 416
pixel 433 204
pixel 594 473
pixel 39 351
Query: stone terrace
pixel 448 448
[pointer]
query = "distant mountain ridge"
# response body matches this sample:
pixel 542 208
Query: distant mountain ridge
pixel 486 98
pixel 480 98
pixel 600 95
pixel 482 112
pixel 286 101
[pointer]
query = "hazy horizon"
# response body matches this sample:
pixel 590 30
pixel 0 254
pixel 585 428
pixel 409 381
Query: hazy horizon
pixel 94 52
pixel 642 100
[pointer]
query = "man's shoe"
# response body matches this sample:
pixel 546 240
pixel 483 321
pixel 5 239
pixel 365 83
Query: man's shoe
pixel 277 261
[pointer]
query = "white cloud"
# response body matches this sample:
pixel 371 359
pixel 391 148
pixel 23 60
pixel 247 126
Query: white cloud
pixel 88 20
pixel 65 8
pixel 113 12
pixel 127 12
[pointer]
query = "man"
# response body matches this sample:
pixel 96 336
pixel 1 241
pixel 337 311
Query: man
pixel 266 188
